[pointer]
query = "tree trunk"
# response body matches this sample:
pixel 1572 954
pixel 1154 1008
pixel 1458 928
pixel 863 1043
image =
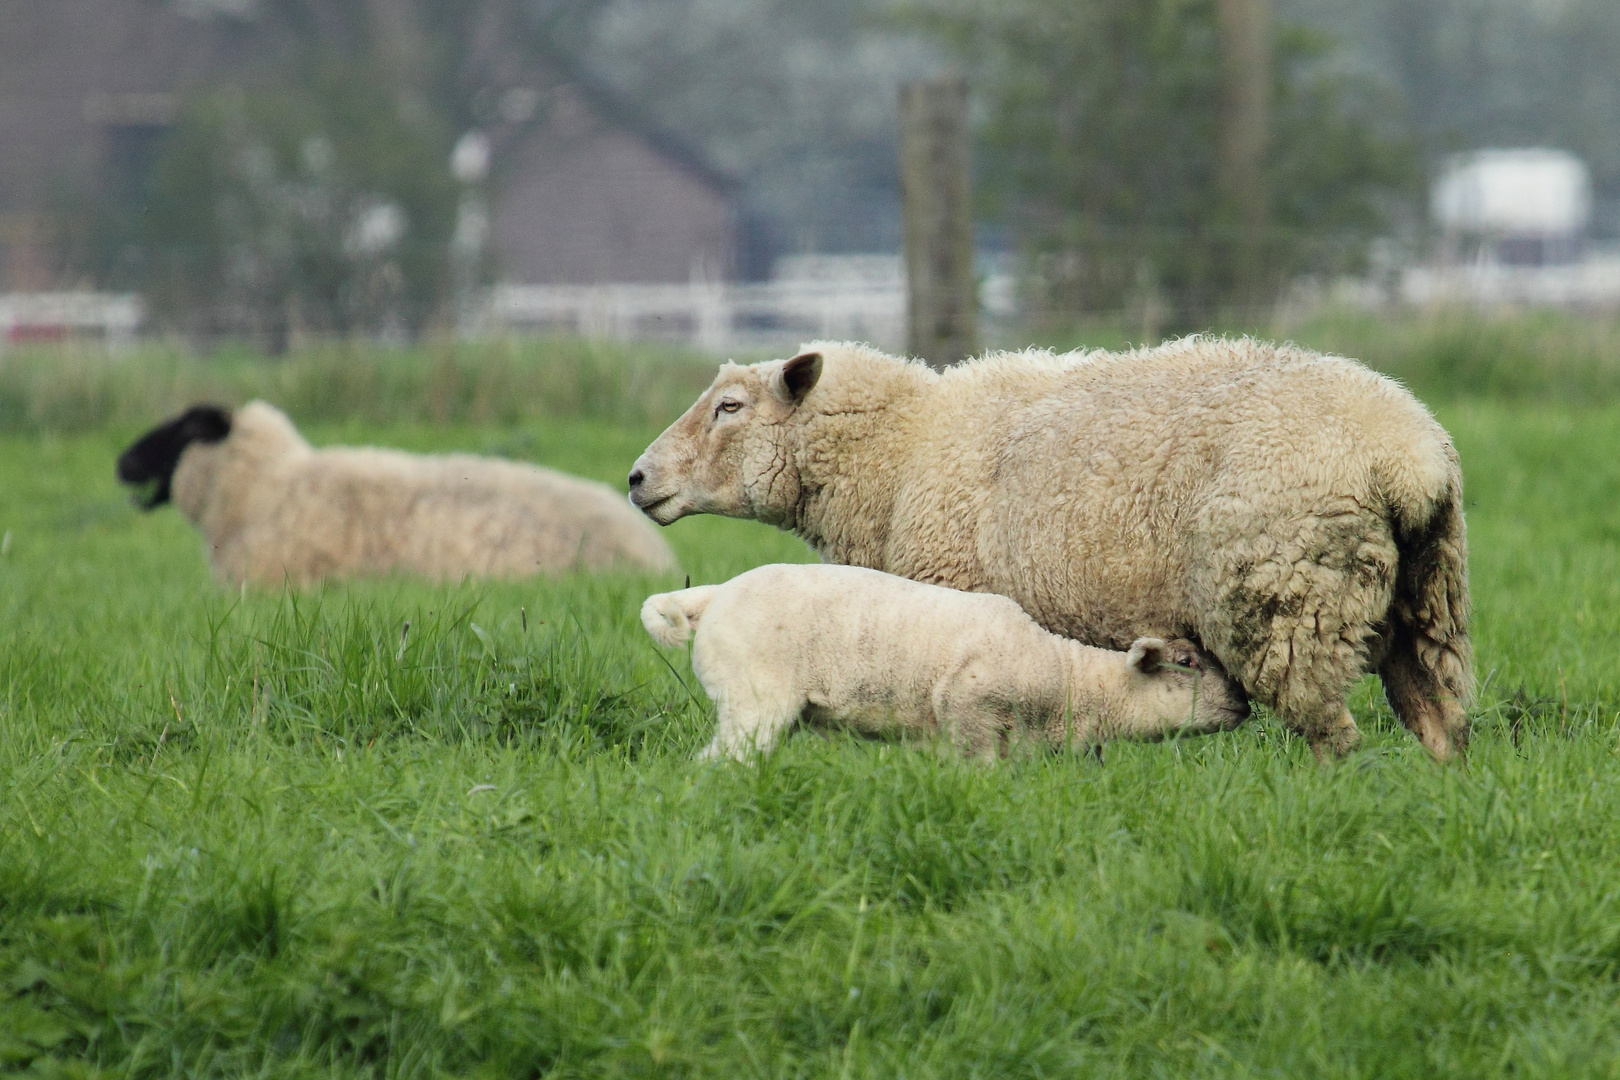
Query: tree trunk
pixel 1245 44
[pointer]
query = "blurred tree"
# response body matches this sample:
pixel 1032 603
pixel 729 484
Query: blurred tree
pixel 795 97
pixel 1101 140
pixel 1477 73
pixel 319 208
pixel 439 57
pixel 317 195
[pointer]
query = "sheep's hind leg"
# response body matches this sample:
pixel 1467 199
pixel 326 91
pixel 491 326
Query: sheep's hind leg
pixel 1427 709
pixel 1428 670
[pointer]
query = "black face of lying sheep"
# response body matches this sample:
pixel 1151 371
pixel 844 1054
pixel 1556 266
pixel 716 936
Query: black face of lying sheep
pixel 150 461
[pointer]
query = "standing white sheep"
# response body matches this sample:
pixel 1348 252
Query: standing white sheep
pixel 1298 515
pixel 883 653
pixel 273 508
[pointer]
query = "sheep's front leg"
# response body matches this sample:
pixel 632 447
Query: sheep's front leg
pixel 752 726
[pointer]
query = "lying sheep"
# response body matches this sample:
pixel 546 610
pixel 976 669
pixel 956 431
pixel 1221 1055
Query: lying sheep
pixel 271 508
pixel 879 652
pixel 1298 515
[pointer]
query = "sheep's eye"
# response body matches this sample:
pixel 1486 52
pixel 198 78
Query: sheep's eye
pixel 727 406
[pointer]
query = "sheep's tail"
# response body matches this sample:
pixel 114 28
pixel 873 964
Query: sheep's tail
pixel 1428 671
pixel 671 617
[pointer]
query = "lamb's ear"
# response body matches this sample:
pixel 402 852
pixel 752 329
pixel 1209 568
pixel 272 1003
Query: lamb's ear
pixel 796 378
pixel 1147 654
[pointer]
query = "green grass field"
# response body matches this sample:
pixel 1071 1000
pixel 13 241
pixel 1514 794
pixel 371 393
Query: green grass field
pixel 271 835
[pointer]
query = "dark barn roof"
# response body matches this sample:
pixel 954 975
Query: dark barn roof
pixel 587 192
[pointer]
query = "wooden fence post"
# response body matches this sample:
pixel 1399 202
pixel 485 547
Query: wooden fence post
pixel 937 220
pixel 1245 44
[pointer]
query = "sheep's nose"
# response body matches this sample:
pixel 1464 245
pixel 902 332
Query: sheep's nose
pixel 636 477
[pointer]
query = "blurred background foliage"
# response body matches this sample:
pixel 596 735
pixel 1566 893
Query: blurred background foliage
pixel 313 205
pixel 1097 124
pixel 1101 131
pixel 53 391
pixel 1470 73
pixel 1445 357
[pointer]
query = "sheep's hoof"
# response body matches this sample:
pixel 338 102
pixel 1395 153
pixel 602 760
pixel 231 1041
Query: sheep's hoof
pixel 1448 747
pixel 1338 740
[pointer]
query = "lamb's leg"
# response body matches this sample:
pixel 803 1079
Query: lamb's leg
pixel 973 729
pixel 752 726
pixel 966 715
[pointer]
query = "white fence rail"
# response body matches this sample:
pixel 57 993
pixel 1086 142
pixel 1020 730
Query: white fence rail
pixel 1591 283
pixel 711 316
pixel 110 318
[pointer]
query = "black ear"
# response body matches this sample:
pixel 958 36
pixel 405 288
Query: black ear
pixel 151 460
pixel 796 378
pixel 206 423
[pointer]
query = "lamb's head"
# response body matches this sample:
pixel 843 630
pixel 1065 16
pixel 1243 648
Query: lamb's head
pixel 1187 686
pixel 149 463
pixel 729 453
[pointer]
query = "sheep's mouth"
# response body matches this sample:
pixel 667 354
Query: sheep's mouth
pixel 652 507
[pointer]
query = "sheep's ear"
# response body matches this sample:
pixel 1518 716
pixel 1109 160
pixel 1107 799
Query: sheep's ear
pixel 796 378
pixel 206 424
pixel 1147 654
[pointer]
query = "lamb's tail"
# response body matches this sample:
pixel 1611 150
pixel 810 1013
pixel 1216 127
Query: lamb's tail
pixel 1428 672
pixel 671 617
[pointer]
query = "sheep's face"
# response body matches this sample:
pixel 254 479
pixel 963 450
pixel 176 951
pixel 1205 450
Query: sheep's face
pixel 1188 685
pixel 729 453
pixel 149 463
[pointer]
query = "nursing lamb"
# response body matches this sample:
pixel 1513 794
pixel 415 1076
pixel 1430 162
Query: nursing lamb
pixel 1298 515
pixel 842 644
pixel 272 508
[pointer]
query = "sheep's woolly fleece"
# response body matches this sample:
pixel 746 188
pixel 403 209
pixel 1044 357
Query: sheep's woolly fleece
pixel 855 646
pixel 1299 515
pixel 272 508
